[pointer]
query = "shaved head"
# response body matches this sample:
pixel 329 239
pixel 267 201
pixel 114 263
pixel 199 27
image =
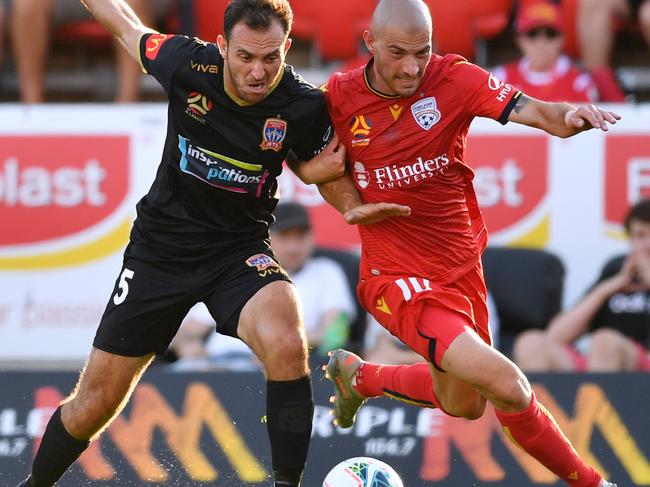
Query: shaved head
pixel 399 40
pixel 404 15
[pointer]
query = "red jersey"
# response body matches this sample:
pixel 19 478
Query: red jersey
pixel 410 150
pixel 565 82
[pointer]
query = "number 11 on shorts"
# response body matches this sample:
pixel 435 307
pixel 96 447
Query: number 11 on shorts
pixel 123 284
pixel 414 285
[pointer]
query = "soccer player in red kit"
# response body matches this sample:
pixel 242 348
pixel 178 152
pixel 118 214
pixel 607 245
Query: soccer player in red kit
pixel 404 120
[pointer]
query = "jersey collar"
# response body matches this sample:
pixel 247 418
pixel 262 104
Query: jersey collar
pixel 244 103
pixel 366 79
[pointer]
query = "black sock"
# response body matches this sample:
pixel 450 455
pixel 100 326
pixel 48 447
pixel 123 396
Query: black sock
pixel 289 415
pixel 57 452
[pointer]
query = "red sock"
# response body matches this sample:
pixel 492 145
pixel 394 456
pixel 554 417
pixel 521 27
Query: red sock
pixel 408 383
pixel 536 432
pixel 607 86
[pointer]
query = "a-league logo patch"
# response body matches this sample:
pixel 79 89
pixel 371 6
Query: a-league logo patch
pixel 154 43
pixel 426 113
pixel 273 133
pixel 264 264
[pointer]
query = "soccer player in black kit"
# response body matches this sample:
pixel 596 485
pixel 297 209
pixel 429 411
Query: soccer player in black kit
pixel 201 233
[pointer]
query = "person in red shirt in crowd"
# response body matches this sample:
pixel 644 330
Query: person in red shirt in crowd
pixel 404 119
pixel 596 37
pixel 544 72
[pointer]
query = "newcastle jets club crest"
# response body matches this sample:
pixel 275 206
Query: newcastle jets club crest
pixel 426 113
pixel 273 133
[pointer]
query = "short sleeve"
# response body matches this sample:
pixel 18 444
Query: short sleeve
pixel 484 94
pixel 161 55
pixel 317 134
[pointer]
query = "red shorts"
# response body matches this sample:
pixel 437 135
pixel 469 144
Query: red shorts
pixel 426 316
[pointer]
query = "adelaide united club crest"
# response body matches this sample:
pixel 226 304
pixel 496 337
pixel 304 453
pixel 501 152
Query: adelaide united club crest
pixel 273 133
pixel 426 113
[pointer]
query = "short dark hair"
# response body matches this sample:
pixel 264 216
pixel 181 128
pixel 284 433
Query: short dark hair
pixel 639 212
pixel 257 14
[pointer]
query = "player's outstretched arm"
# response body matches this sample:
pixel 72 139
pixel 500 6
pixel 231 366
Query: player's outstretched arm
pixel 342 195
pixel 329 164
pixel 561 119
pixel 120 20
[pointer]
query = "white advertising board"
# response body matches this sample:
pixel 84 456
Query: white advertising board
pixel 70 176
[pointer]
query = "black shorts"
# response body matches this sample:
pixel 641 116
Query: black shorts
pixel 153 294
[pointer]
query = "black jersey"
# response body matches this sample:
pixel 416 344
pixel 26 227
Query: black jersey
pixel 626 312
pixel 216 185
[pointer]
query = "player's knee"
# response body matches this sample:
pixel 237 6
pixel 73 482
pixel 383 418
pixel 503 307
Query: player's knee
pixel 512 389
pixel 96 406
pixel 529 345
pixel 605 340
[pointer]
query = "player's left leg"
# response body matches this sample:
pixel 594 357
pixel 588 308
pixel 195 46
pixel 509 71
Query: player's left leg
pixel 468 358
pixel 271 324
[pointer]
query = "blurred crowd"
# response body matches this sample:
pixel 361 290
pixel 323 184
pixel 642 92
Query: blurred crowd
pixel 555 50
pixel 606 330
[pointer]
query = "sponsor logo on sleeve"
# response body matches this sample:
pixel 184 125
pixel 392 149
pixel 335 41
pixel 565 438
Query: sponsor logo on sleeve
pixel 221 171
pixel 360 127
pixel 426 113
pixel 273 133
pixel 154 43
pixel 494 83
pixel 264 265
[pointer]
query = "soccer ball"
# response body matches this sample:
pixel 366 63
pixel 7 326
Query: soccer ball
pixel 362 472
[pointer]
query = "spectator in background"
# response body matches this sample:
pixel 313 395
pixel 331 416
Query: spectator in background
pixel 322 286
pixel 616 310
pixel 544 72
pixel 30 25
pixel 596 38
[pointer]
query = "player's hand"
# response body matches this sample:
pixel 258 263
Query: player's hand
pixel 590 116
pixel 374 212
pixel 624 280
pixel 329 164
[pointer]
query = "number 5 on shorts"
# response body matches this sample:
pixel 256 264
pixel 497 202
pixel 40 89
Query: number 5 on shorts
pixel 120 296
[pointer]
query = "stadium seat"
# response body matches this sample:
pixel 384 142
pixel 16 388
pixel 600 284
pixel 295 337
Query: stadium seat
pixel 208 18
pixel 527 287
pixel 458 25
pixel 335 27
pixel 90 32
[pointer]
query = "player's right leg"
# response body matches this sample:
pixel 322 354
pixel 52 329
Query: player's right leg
pixel 148 303
pixel 104 386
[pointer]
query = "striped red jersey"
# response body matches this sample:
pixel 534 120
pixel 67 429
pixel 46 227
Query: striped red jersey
pixel 411 150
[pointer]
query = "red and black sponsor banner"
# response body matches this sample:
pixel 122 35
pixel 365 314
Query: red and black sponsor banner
pixel 58 186
pixel 182 429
